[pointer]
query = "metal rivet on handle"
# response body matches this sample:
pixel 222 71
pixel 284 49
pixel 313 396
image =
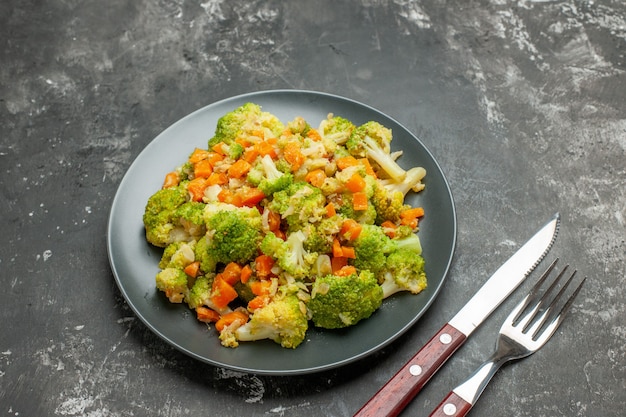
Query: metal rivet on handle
pixel 445 338
pixel 415 370
pixel 449 409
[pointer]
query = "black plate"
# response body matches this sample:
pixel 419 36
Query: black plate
pixel 134 261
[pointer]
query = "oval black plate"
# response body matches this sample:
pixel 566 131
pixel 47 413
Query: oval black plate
pixel 134 261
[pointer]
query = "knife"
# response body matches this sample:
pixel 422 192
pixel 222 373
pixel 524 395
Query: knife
pixel 396 394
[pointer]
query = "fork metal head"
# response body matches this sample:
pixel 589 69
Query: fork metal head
pixel 535 319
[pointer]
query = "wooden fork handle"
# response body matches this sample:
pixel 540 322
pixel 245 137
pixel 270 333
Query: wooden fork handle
pixel 452 406
pixel 396 394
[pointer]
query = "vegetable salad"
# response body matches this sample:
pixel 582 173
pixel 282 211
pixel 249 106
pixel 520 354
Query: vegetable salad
pixel 278 226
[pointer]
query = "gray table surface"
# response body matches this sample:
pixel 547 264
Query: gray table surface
pixel 523 103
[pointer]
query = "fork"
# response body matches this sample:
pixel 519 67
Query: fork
pixel 529 326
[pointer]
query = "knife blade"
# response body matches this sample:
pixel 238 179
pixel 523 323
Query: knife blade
pixel 396 394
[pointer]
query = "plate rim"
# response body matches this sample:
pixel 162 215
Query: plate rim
pixel 248 97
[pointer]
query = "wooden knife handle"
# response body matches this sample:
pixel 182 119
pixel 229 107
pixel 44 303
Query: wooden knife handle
pixel 394 396
pixel 452 406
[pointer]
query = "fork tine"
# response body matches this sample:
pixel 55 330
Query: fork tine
pixel 550 312
pixel 556 320
pixel 533 295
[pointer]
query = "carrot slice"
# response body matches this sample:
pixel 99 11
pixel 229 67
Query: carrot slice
pixel 202 169
pixel 330 210
pixel 293 155
pixel 345 271
pixel 171 180
pixel 316 177
pixel 223 293
pixel 263 265
pixel 348 252
pixel 337 249
pixel 229 318
pixel 346 161
pixel 192 269
pixel 350 229
pixel 251 196
pixel 336 263
pixel 217 178
pixel 196 188
pixel 359 200
pixel 206 315
pixel 258 302
pixel 231 273
pixel 239 168
pixel 261 287
pixel 314 134
pixel 355 183
pixel 246 273
pixel 198 155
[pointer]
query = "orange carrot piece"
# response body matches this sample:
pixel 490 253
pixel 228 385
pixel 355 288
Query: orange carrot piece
pixel 239 168
pixel 346 161
pixel 198 155
pixel 227 196
pixel 223 293
pixel 412 213
pixel 355 183
pixel 266 148
pixel 246 273
pixel 192 269
pixel 250 155
pixel 314 134
pixel 217 178
pixel 273 220
pixel 336 263
pixel 229 318
pixel 316 177
pixel 263 266
pixel 220 148
pixel 350 229
pixel 231 273
pixel 348 252
pixel 206 315
pixel 258 302
pixel 261 287
pixel 171 179
pixel 359 200
pixel 293 155
pixel 214 158
pixel 345 271
pixel 251 196
pixel 330 210
pixel 389 228
pixel 202 169
pixel 196 188
pixel 337 249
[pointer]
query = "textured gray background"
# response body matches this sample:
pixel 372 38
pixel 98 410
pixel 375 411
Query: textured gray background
pixel 522 102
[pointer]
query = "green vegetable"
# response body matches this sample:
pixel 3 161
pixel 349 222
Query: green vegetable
pixel 342 301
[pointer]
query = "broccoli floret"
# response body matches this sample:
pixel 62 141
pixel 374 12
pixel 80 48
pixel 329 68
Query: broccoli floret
pixel 190 216
pixel 371 248
pixel 320 235
pixel 342 301
pixel 388 204
pixel 372 140
pixel 230 124
pixel 336 129
pixel 273 180
pixel 159 215
pixel 299 204
pixel 200 295
pixel 412 181
pixel 174 283
pixel 232 236
pixel 408 241
pixel 289 254
pixel 177 255
pixel 404 271
pixel 283 320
